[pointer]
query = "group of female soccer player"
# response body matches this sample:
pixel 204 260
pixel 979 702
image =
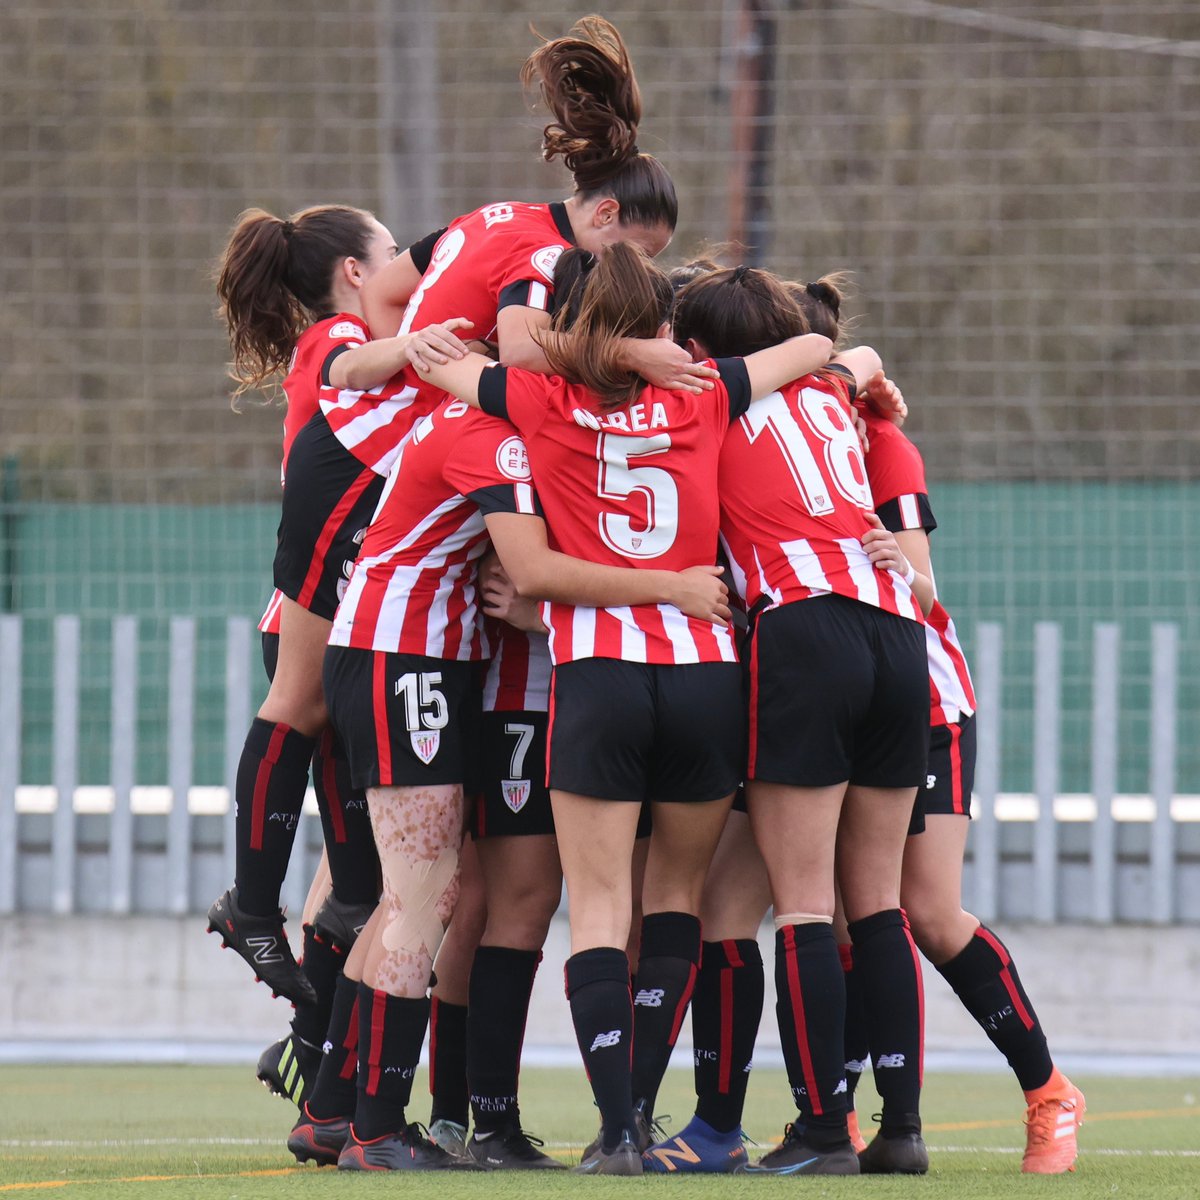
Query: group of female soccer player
pixel 497 609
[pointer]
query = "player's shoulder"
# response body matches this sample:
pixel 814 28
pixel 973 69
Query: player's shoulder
pixel 888 438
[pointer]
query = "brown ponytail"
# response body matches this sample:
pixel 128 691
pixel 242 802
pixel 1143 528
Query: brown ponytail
pixel 625 296
pixel 587 82
pixel 822 304
pixel 276 275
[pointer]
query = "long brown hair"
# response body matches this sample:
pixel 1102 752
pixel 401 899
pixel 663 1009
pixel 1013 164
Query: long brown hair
pixel 625 296
pixel 586 80
pixel 737 311
pixel 275 275
pixel 822 302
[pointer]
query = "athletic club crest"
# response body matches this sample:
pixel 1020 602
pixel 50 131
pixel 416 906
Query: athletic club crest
pixel 515 793
pixel 425 744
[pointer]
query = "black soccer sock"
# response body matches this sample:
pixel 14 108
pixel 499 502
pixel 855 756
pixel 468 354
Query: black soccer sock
pixel 272 778
pixel 726 1009
pixel 322 965
pixel 888 971
pixel 391 1030
pixel 448 1062
pixel 857 1042
pixel 984 977
pixel 602 1013
pixel 811 1009
pixel 334 1094
pixel 346 824
pixel 501 984
pixel 666 977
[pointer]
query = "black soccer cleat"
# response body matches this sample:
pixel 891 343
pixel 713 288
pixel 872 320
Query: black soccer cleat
pixel 314 1140
pixel 408 1150
pixel 341 923
pixel 288 1068
pixel 510 1149
pixel 623 1159
pixel 795 1155
pixel 262 942
pixel 902 1155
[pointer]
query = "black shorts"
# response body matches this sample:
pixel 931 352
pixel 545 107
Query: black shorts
pixel 328 502
pixel 270 654
pixel 951 775
pixel 513 800
pixel 839 690
pixel 641 731
pixel 405 720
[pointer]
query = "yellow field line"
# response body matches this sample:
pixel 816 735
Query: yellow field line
pixel 61 1183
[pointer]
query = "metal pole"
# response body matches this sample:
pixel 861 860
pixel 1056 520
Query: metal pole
pixel 1164 674
pixel 989 677
pixel 124 756
pixel 1106 675
pixel 1047 674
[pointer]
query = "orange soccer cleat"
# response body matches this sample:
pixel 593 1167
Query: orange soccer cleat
pixel 1054 1115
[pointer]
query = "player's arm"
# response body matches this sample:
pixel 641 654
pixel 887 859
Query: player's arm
pixel 544 574
pixel 500 599
pixel 458 376
pixel 375 362
pixel 906 552
pixel 770 369
pixel 386 294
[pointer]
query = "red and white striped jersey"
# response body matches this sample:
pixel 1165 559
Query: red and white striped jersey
pixel 627 487
pixel 496 256
pixel 795 499
pixel 412 590
pixel 897 475
pixel 518 677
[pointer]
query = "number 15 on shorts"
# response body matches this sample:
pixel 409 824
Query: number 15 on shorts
pixel 425 711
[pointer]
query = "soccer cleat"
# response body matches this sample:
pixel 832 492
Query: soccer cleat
pixel 314 1140
pixel 408 1150
pixel 650 1129
pixel 288 1068
pixel 796 1156
pixel 698 1149
pixel 622 1159
pixel 450 1135
pixel 1050 1136
pixel 856 1138
pixel 262 942
pixel 902 1155
pixel 510 1149
pixel 341 923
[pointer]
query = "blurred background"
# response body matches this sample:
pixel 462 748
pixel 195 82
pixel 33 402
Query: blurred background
pixel 1014 186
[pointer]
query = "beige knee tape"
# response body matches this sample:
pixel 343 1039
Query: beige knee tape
pixel 418 887
pixel 782 919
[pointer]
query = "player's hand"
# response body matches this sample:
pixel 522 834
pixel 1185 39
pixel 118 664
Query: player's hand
pixel 882 549
pixel 700 592
pixel 499 598
pixel 662 363
pixel 437 344
pixel 885 398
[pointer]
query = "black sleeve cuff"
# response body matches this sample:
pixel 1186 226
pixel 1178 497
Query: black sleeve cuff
pixel 493 391
pixel 893 518
pixel 501 498
pixel 422 252
pixel 847 375
pixel 736 379
pixel 525 293
pixel 329 362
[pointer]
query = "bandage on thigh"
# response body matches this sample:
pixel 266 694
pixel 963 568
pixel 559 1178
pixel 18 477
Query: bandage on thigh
pixel 801 918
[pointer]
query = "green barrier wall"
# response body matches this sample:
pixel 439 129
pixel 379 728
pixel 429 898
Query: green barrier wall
pixel 1013 553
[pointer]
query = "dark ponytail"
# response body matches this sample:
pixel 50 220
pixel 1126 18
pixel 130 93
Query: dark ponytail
pixel 586 80
pixel 276 275
pixel 822 304
pixel 738 311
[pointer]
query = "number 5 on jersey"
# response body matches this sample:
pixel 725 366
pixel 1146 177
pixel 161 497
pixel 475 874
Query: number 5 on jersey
pixel 425 711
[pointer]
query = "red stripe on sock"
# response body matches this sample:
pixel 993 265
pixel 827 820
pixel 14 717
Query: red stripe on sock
pixel 434 1005
pixel 920 1001
pixel 375 1050
pixel 846 954
pixel 334 522
pixel 333 797
pixel 797 1001
pixel 383 738
pixel 725 1053
pixel 996 944
pixel 684 1001
pixel 1018 1006
pixel 732 957
pixel 350 1045
pixel 262 781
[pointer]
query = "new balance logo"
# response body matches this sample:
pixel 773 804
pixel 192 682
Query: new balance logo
pixel 889 1060
pixel 650 997
pixel 841 1088
pixel 266 949
pixel 611 1038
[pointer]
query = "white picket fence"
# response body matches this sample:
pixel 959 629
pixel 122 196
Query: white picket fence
pixel 1044 857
